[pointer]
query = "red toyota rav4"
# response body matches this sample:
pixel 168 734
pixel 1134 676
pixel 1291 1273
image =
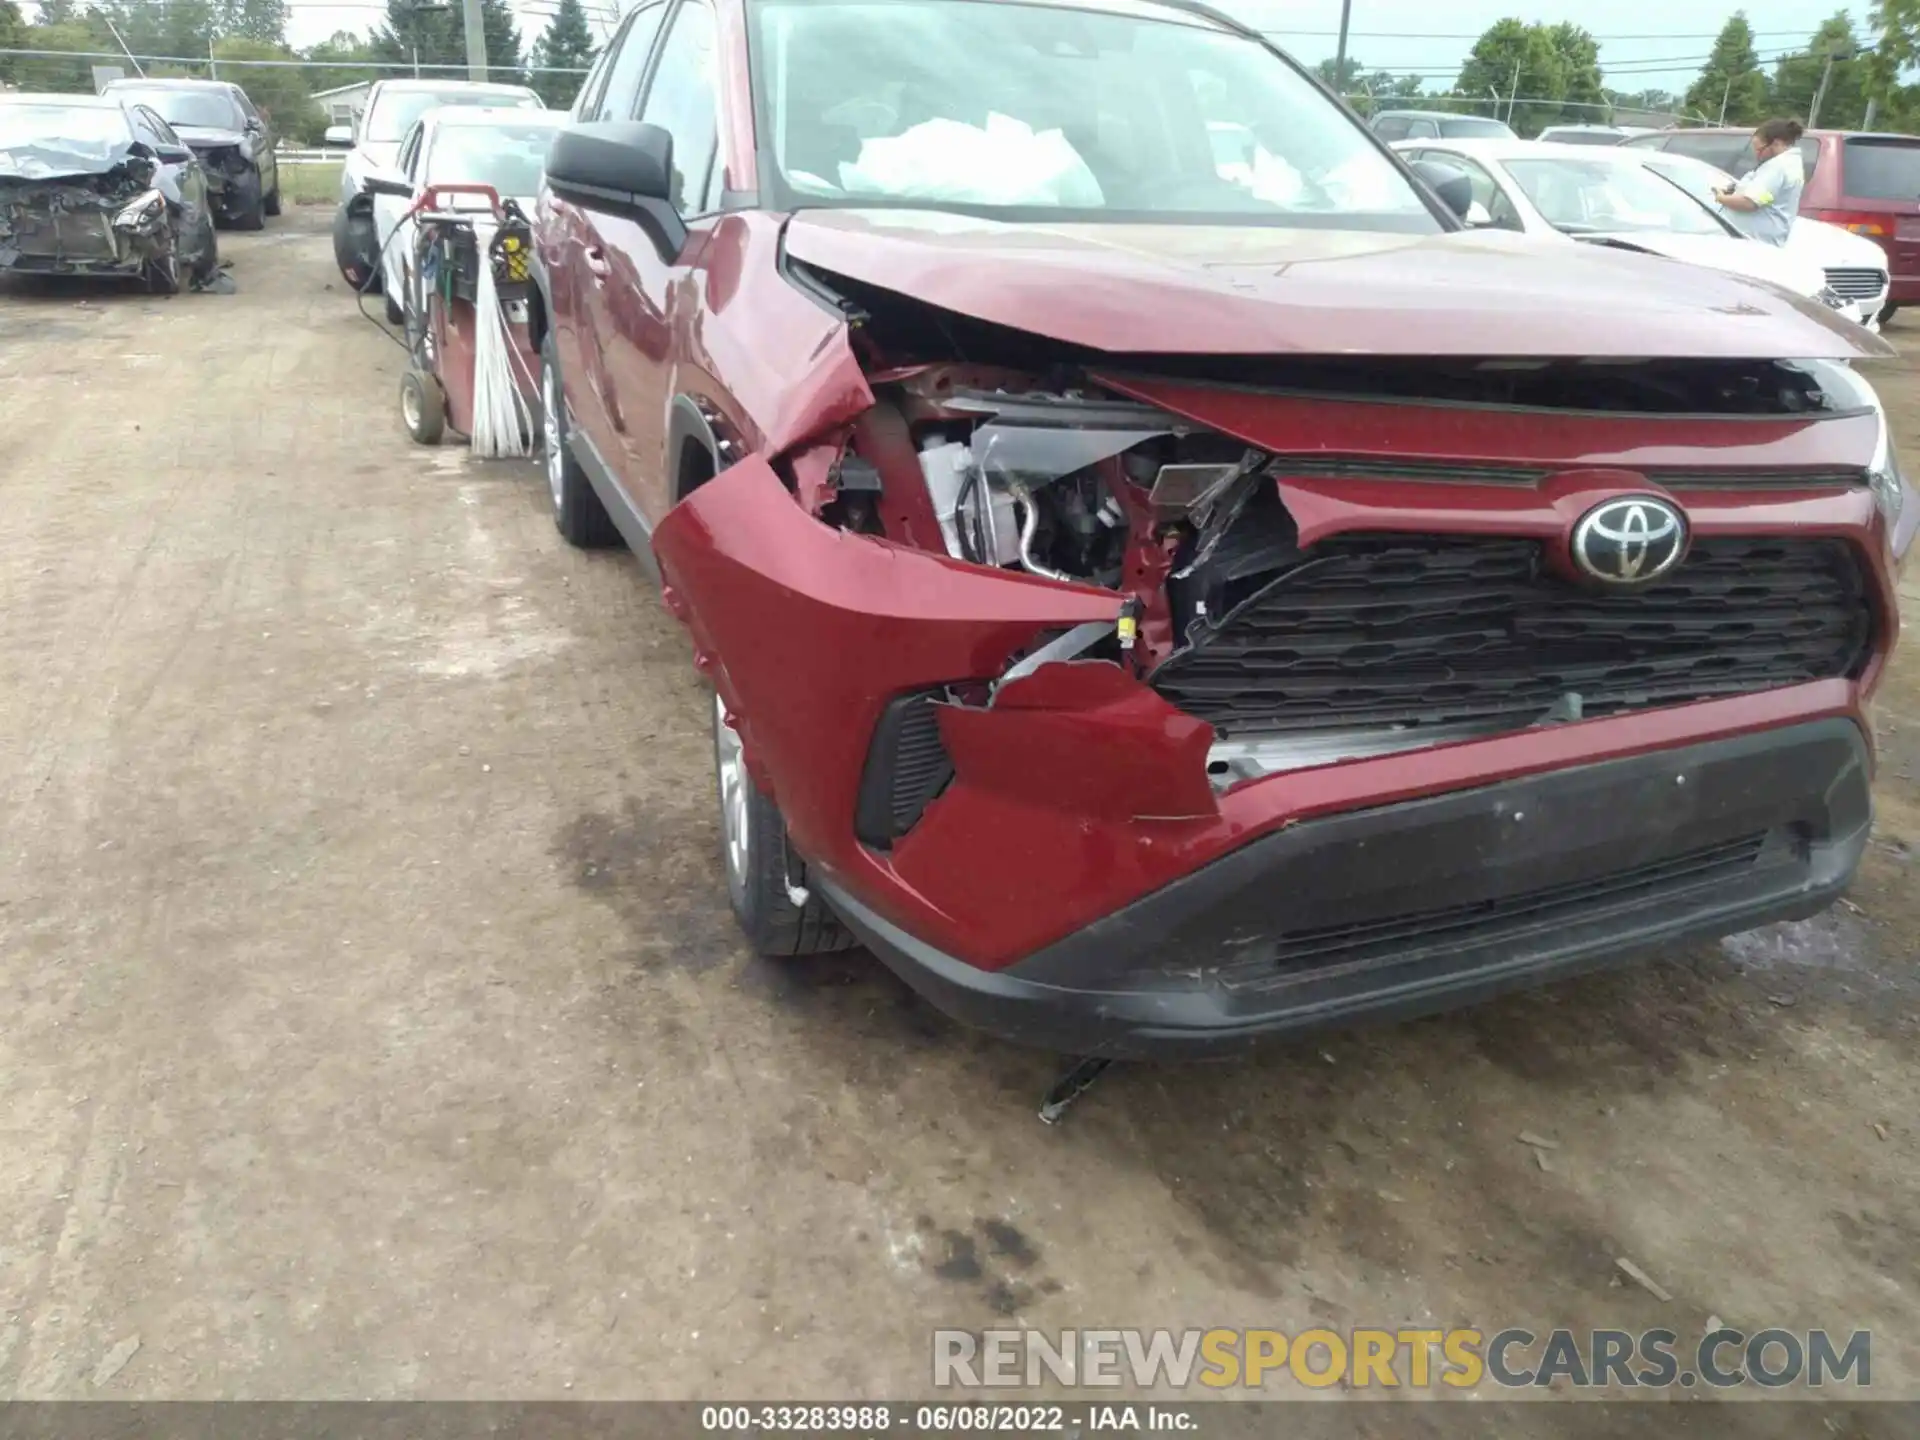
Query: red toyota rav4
pixel 1166 580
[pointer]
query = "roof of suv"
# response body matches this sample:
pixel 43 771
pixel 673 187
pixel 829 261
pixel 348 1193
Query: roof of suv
pixel 501 87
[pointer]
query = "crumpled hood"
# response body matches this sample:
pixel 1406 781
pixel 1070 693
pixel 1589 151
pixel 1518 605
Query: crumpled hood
pixel 1255 289
pixel 1732 255
pixel 208 137
pixel 55 159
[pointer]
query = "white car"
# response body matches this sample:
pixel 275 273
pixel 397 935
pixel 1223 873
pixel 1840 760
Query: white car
pixel 1855 267
pixel 457 145
pixel 393 106
pixel 1601 195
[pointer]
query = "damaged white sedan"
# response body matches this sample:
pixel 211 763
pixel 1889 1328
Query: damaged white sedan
pixel 89 186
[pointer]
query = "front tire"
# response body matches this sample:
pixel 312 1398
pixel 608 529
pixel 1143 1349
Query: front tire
pixel 1886 315
pixel 254 217
pixel 271 205
pixel 395 314
pixel 423 407
pixel 764 876
pixel 577 511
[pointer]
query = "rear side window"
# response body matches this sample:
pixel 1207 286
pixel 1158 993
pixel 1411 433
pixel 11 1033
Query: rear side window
pixel 1391 127
pixel 621 98
pixel 1879 169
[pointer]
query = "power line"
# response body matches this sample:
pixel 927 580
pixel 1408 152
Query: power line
pixel 407 65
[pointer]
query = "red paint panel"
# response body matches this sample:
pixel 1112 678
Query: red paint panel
pixel 814 629
pixel 1469 435
pixel 1257 290
pixel 1087 739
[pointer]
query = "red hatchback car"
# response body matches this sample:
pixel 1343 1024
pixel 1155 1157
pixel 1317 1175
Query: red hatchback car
pixel 1159 597
pixel 1866 183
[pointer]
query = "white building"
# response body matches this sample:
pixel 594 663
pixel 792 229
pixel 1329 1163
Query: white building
pixel 344 103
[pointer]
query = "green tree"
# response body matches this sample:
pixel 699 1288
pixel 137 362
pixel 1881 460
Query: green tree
pixel 1796 78
pixel 1514 58
pixel 58 12
pixel 432 37
pixel 262 20
pixel 61 72
pixel 280 92
pixel 506 60
pixel 13 36
pixel 438 37
pixel 178 30
pixel 342 48
pixel 1346 81
pixel 1732 88
pixel 1579 52
pixel 566 43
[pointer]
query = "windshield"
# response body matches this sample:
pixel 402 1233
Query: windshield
pixel 88 129
pixel 208 109
pixel 1608 197
pixel 510 156
pixel 1128 112
pixel 394 111
pixel 1696 177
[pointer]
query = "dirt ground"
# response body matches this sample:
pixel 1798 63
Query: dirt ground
pixel 375 1025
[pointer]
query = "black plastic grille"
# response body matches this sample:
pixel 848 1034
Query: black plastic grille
pixel 1455 926
pixel 907 767
pixel 1393 630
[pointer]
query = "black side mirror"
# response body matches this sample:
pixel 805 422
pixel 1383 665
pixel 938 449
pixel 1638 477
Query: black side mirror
pixel 623 168
pixel 1452 186
pixel 381 185
pixel 172 154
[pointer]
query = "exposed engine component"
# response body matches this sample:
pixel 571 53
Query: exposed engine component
pixel 1058 483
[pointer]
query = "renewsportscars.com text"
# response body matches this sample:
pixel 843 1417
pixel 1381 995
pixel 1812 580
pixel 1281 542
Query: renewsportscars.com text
pixel 1404 1358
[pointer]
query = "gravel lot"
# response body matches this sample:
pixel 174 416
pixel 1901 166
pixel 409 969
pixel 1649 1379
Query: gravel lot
pixel 375 1025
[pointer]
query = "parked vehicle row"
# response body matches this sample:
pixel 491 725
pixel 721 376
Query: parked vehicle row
pixel 95 185
pixel 134 180
pixel 233 141
pixel 1637 200
pixel 381 134
pixel 1865 183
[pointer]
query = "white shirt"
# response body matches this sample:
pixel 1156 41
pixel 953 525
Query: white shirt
pixel 1774 187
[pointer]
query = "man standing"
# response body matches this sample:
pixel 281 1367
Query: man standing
pixel 1763 205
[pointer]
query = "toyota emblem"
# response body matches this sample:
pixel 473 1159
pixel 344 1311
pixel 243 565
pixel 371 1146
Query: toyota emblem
pixel 1630 541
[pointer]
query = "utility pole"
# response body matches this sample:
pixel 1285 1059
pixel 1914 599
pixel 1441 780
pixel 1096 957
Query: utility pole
pixel 1513 91
pixel 1339 55
pixel 1873 109
pixel 123 48
pixel 1838 52
pixel 476 41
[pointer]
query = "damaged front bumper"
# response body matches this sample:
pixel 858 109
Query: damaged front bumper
pixel 233 184
pixel 80 227
pixel 1073 878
